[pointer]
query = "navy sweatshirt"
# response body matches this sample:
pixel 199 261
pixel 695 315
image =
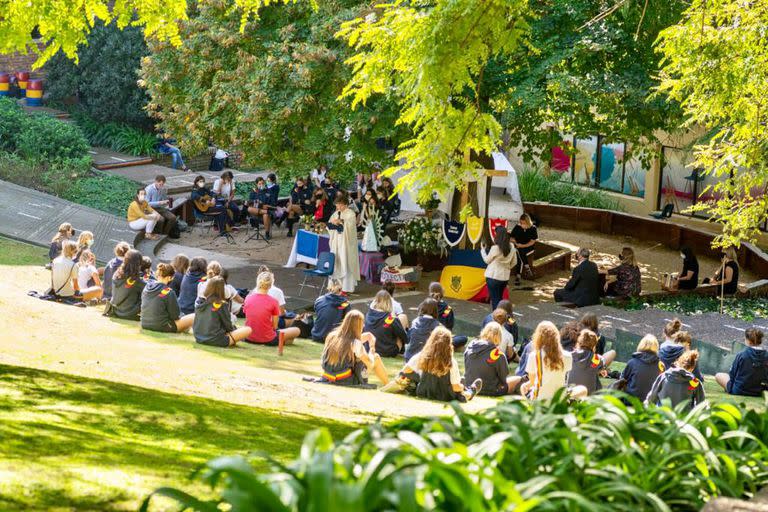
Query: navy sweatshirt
pixel 510 325
pixel 640 373
pixel 669 352
pixel 483 360
pixel 330 310
pixel 678 386
pixel 749 373
pixel 419 333
pixel 109 271
pixel 445 314
pixel 387 329
pixel 188 291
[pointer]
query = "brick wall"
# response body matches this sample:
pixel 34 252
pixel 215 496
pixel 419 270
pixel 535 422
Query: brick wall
pixel 12 62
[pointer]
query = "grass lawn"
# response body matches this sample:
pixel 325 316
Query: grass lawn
pixel 75 443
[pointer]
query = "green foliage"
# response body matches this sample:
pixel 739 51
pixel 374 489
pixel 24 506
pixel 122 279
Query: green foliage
pixel 43 137
pixel 716 64
pixel 420 235
pixel 104 80
pixel 12 118
pixel 102 191
pixel 430 58
pixel 117 136
pixel 269 92
pixel 741 308
pixel 537 186
pixel 54 177
pixel 597 454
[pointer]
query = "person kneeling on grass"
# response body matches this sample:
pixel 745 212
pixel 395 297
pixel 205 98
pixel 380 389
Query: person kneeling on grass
pixel 345 360
pixel 213 321
pixel 385 326
pixel 588 365
pixel 330 311
pixel 749 371
pixel 485 360
pixel 159 305
pixel 678 384
pixel 127 286
pixel 643 368
pixel 262 314
pixel 547 365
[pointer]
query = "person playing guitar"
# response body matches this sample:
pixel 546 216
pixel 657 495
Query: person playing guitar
pixel 205 203
pixel 262 203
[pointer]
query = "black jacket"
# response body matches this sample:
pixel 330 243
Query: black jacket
pixel 126 297
pixel 418 334
pixel 188 291
pixel 640 373
pixel 484 360
pixel 54 250
pixel 175 285
pixel 677 386
pixel 159 307
pixel 330 310
pixel 109 271
pixel 749 373
pixel 445 314
pixel 212 323
pixel 387 329
pixel 669 352
pixel 583 288
pixel 586 370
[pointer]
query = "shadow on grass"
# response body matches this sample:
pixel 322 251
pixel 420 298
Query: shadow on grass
pixel 88 444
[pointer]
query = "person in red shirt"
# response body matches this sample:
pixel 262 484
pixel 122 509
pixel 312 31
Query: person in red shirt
pixel 262 313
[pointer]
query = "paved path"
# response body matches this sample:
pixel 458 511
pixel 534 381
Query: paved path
pixel 104 158
pixel 177 181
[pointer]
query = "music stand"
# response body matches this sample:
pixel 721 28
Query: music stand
pixel 257 234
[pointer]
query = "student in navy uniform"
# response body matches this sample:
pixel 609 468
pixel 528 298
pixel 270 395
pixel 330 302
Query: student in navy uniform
pixel 385 326
pixel 511 324
pixel 109 271
pixel 484 360
pixel 204 202
pixel 436 371
pixel 188 289
pixel 345 360
pixel 749 372
pixel 422 327
pixel 569 335
pixel 330 310
pixel 180 266
pixel 159 305
pixel 445 314
pixel 589 321
pixel 213 321
pixel 588 365
pixel 127 285
pixel 301 203
pixel 643 368
pixel 678 384
pixel 670 351
pixel 262 205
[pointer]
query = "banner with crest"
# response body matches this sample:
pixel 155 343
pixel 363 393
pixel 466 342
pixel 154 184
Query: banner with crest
pixel 453 232
pixel 475 229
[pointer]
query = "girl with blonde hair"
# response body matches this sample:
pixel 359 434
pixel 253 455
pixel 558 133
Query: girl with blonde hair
pixel 547 364
pixel 346 361
pixel 84 242
pixel 388 329
pixel 262 314
pixel 88 281
pixel 643 368
pixel 484 359
pixel 64 233
pixel 214 269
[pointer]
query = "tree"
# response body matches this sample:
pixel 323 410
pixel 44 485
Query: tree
pixel 270 91
pixel 717 67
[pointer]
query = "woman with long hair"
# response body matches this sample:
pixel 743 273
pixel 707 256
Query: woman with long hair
pixel 385 326
pixel 548 365
pixel 212 324
pixel 88 280
pixel 345 360
pixel 64 233
pixel 688 278
pixel 727 275
pixel 524 235
pixel 627 281
pixel 500 260
pixel 127 286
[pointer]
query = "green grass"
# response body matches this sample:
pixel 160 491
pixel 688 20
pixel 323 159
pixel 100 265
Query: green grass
pixel 111 194
pixel 21 254
pixel 85 444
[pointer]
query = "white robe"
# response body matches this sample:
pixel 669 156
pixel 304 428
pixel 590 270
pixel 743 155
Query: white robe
pixel 344 247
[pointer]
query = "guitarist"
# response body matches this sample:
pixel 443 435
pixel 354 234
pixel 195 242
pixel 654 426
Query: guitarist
pixel 262 203
pixel 204 203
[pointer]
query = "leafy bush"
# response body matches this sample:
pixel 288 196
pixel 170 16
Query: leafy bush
pixel 101 191
pixel 420 235
pixel 45 137
pixel 743 309
pixel 117 136
pixel 105 80
pixel 12 119
pixel 536 186
pixel 54 177
pixel 597 455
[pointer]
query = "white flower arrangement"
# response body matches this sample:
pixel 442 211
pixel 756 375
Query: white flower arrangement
pixel 421 236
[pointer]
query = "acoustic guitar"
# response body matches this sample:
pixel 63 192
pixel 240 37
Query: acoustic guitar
pixel 203 203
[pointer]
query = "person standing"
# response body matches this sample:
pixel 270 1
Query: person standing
pixel 342 227
pixel 583 288
pixel 525 236
pixel 500 260
pixel 157 197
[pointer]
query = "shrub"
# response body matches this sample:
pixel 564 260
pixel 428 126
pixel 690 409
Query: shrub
pixel 597 455
pixel 116 136
pixel 746 309
pixel 536 186
pixel 44 137
pixel 108 193
pixel 52 176
pixel 12 120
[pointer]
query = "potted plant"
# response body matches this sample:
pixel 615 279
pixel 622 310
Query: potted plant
pixel 429 205
pixel 422 243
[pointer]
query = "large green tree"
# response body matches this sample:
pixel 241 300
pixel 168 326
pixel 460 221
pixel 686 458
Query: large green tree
pixel 270 91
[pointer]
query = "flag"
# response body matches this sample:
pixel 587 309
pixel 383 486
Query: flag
pixel 464 276
pixel 494 223
pixel 474 229
pixel 453 232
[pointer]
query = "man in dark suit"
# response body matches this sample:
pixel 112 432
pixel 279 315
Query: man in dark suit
pixel 583 288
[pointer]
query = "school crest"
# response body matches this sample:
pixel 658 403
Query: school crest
pixel 453 232
pixel 493 356
pixel 130 282
pixel 455 284
pixel 693 384
pixel 216 306
pixel 661 367
pixel 446 311
pixel 165 291
pixel 388 321
pixel 343 305
pixel 595 361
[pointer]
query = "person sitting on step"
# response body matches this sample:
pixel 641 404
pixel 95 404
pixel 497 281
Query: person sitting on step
pixel 159 304
pixel 84 242
pixel 385 326
pixel 590 321
pixel 749 372
pixel 167 146
pixel 141 216
pixel 330 310
pixel 157 197
pixel 583 288
pixel 346 361
pixel 212 324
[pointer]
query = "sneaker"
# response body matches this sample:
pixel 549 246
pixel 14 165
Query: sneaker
pixel 475 388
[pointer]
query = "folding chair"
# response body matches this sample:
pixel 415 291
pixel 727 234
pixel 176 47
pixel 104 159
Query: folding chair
pixel 202 221
pixel 324 269
pixel 665 213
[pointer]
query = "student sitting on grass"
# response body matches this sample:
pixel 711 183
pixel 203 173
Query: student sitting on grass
pixel 64 271
pixel 84 242
pixel 589 321
pixel 643 368
pixel 749 372
pixel 569 335
pixel 345 360
pixel 670 329
pixel 180 265
pixel 64 234
pixel 485 360
pixel 146 269
pixel 510 325
pixel 213 322
pixel 422 327
pixel 88 282
pixel 678 384
pixel 547 365
pixel 127 285
pixel 445 314
pixel 214 269
pixel 188 290
pixel 286 317
pixel 120 249
pixel 159 305
pixel 670 351
pixel 385 326
pixel 507 345
pixel 588 366
pixel 436 371
pixel 262 313
pixel 330 310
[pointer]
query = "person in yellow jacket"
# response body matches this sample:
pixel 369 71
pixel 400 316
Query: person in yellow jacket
pixel 142 216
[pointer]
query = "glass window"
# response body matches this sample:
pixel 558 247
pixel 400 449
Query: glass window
pixel 677 179
pixel 612 166
pixel 584 165
pixel 634 176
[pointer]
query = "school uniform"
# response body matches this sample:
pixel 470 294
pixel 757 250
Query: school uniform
pixel 510 326
pixel 435 387
pixel 419 333
pixel 212 323
pixel 445 314
pixel 749 373
pixel 677 386
pixel 175 284
pixel 586 370
pixel 484 360
pixel 642 370
pixel 126 297
pixel 219 213
pixel 330 310
pixel 669 352
pixel 352 372
pixel 159 308
pixel 109 271
pixel 300 196
pixel 188 291
pixel 54 250
pixel 387 329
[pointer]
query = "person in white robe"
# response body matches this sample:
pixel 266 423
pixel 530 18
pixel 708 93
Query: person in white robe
pixel 342 227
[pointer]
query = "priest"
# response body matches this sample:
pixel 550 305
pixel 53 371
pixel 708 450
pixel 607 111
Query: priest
pixel 342 227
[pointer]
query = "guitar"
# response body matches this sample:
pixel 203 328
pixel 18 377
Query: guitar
pixel 203 203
